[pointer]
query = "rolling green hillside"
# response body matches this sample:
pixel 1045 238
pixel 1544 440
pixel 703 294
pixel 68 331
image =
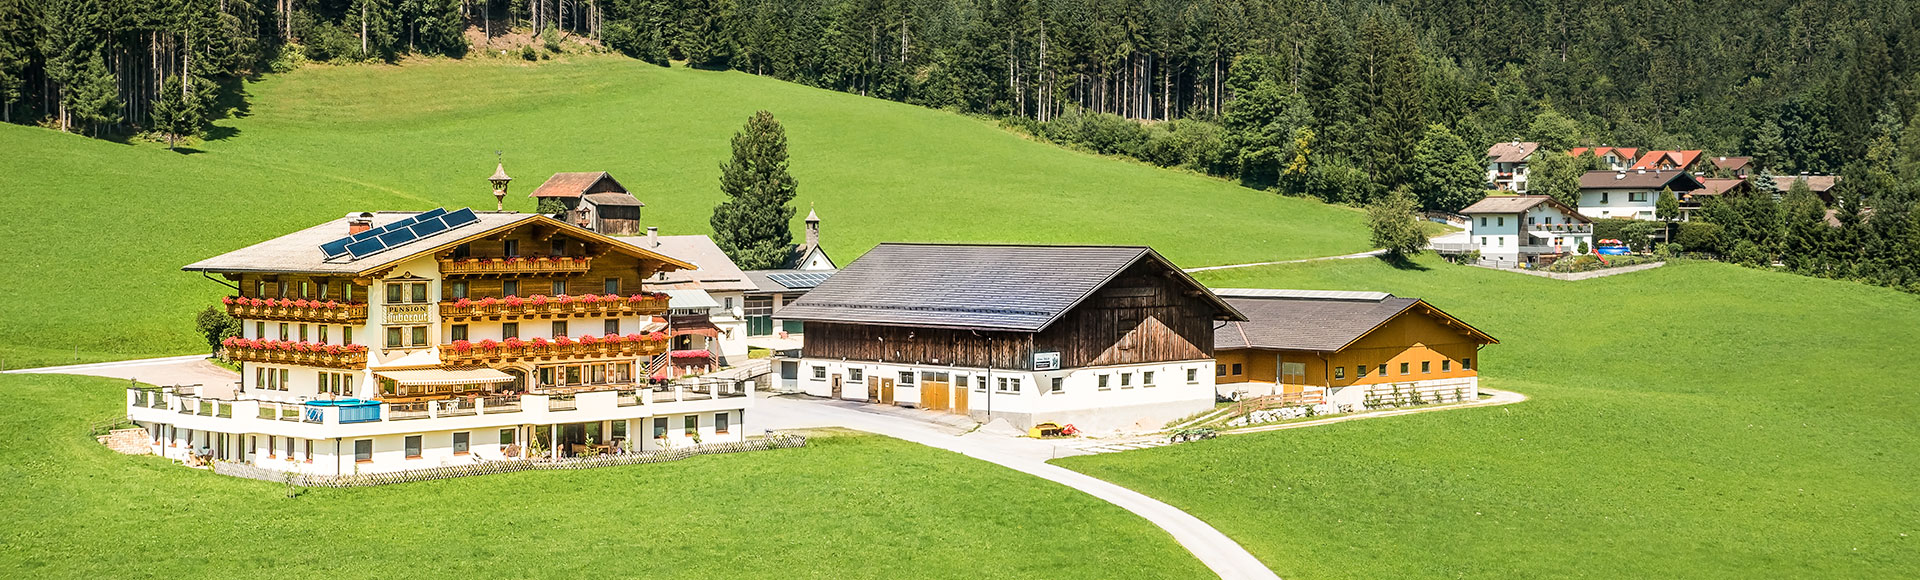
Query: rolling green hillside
pixel 102 228
pixel 1694 421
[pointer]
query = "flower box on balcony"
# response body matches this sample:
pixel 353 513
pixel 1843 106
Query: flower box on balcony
pixel 587 305
pixel 515 265
pixel 296 352
pixel 294 310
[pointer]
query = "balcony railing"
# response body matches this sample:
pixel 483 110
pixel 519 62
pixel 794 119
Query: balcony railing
pixel 601 399
pixel 454 408
pixel 295 310
pixel 400 411
pixel 506 404
pixel 556 307
pixel 462 352
pixel 515 265
pixel 562 403
pixel 345 356
pixel 406 313
pixel 1561 228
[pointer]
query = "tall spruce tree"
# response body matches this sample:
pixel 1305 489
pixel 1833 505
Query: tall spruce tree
pixel 753 225
pixel 176 115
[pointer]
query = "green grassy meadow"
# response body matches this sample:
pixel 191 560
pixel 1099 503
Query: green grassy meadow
pixel 853 506
pixel 111 224
pixel 1694 421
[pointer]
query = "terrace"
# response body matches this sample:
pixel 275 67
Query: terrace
pixel 170 404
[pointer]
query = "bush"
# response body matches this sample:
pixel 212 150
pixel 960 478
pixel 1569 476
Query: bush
pixel 1699 236
pixel 550 39
pixel 527 52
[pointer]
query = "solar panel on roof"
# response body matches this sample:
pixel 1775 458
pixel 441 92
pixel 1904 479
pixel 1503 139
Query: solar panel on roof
pixel 396 237
pixel 432 213
pixel 365 247
pixel 335 248
pixel 461 217
pixel 799 279
pixel 428 227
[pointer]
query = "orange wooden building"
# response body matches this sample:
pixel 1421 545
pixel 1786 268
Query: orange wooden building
pixel 1357 349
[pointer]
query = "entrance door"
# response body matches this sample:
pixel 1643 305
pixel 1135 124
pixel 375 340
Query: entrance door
pixel 960 396
pixel 873 389
pixel 836 386
pixel 886 391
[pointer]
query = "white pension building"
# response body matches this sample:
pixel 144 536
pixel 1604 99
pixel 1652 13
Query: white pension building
pixel 388 341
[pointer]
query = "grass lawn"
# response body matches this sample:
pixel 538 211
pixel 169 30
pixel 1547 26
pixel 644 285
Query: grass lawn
pixel 109 224
pixel 1698 420
pixel 857 506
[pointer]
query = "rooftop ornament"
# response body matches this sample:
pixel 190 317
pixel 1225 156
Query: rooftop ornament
pixel 500 181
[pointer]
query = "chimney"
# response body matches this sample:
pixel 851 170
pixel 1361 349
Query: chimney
pixel 359 224
pixel 653 237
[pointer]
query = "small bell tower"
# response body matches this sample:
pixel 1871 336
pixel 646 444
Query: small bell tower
pixel 500 181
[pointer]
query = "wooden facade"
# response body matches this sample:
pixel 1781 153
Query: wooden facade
pixel 1147 314
pixel 1417 340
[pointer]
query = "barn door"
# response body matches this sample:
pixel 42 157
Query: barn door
pixel 934 394
pixel 873 389
pixel 886 391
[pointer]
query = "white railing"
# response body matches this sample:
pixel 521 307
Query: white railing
pixel 607 401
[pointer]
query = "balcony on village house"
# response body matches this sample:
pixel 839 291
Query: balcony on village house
pixel 322 311
pixel 292 352
pixel 515 266
pixel 513 349
pixel 514 307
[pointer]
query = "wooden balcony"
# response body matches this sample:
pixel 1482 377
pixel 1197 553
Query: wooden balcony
pixel 295 310
pixel 513 307
pixel 515 266
pixel 351 356
pixel 486 351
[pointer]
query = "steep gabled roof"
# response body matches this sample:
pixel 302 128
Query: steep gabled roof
pixel 576 184
pixel 1633 179
pixel 1732 163
pixel 717 272
pixel 1625 154
pixel 1680 159
pixel 299 252
pixel 975 287
pixel 1511 152
pixel 1319 323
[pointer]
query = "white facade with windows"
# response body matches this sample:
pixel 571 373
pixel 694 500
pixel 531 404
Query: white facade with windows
pixel 1094 399
pixel 1517 229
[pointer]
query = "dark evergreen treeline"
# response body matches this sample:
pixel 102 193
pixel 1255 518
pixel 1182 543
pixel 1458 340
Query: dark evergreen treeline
pixel 100 66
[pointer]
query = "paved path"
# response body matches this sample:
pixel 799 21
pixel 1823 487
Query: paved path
pixel 191 369
pixel 1221 554
pixel 1366 254
pixel 1499 398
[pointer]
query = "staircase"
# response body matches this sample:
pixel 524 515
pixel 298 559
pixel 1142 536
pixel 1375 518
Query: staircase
pixel 659 361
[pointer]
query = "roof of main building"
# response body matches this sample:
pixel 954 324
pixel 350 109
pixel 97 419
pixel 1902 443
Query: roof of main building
pixel 980 287
pixel 299 252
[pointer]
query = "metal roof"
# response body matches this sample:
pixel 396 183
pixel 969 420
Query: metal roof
pixel 300 252
pixel 981 287
pixel 1313 324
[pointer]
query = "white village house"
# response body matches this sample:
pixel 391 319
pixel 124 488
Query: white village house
pixel 1631 193
pixel 1507 165
pixel 1100 337
pixel 1522 228
pixel 387 341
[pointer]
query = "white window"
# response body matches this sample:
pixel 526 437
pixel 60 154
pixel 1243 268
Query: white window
pixel 855 375
pixel 1058 385
pixel 1502 242
pixel 1193 376
pixel 906 377
pixel 1146 379
pixel 1483 240
pixel 980 384
pixel 1126 380
pixel 819 373
pixel 1638 196
pixel 1103 383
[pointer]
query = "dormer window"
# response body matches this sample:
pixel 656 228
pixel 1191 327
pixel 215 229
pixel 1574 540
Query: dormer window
pixel 510 248
pixel 406 292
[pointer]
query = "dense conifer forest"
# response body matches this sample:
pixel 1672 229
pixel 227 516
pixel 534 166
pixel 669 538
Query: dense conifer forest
pixel 1339 100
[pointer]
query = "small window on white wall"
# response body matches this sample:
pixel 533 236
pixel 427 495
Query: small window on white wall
pixel 855 375
pixel 819 373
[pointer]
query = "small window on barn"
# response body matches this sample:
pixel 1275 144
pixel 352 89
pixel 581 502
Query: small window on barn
pixel 1219 370
pixel 1058 385
pixel 906 377
pixel 1426 366
pixel 819 373
pixel 1466 364
pixel 857 375
pixel 1103 382
pixel 1383 369
pixel 1446 365
pixel 1146 379
pixel 1404 367
pixel 1236 369
pixel 1126 380
pixel 1193 376
pixel 1339 372
pixel 1360 371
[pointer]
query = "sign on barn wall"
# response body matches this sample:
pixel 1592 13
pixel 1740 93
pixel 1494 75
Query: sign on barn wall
pixel 1046 361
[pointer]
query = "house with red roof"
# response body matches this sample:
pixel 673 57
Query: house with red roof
pixel 1667 161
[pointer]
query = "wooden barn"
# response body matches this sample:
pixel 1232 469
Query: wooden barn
pixel 1103 337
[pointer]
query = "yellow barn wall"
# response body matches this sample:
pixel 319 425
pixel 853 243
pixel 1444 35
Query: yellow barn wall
pixel 1410 338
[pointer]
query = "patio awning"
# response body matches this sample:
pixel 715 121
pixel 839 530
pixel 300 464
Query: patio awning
pixel 473 376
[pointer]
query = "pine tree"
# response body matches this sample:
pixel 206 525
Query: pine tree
pixel 1394 225
pixel 753 225
pixel 1448 174
pixel 176 115
pixel 1804 230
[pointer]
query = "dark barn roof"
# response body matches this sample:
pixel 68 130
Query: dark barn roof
pixel 1314 324
pixel 976 287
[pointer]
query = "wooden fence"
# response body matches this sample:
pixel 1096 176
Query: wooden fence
pixel 776 441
